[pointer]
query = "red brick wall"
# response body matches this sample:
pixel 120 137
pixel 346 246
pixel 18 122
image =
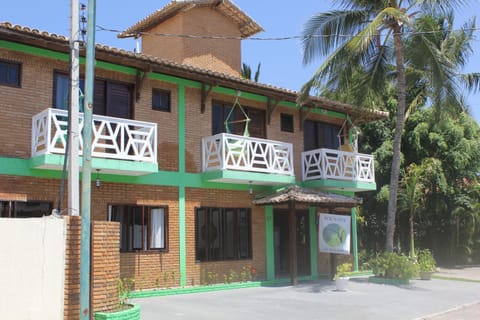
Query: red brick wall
pixel 218 55
pixel 72 269
pixel 105 263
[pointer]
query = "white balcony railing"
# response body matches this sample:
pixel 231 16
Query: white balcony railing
pixel 337 165
pixel 113 138
pixel 233 152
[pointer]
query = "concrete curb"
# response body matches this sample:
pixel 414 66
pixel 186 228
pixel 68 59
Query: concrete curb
pixel 451 310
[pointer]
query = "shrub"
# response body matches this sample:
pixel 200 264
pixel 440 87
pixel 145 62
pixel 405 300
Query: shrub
pixel 392 265
pixel 343 270
pixel 426 261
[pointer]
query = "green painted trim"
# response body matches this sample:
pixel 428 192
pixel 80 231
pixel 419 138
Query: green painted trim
pixel 56 160
pixel 248 176
pixel 354 239
pixel 313 241
pixel 454 278
pixel 174 80
pixel 340 185
pixel 33 50
pixel 198 289
pixel 269 244
pixel 132 313
pixel 245 95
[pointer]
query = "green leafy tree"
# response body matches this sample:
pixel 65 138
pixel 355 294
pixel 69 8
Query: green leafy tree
pixel 366 35
pixel 416 184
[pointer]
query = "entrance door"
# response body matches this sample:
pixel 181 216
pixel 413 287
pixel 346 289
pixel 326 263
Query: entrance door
pixel 281 243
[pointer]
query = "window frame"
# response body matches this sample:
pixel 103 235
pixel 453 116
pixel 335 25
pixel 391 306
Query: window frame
pixel 128 244
pixel 18 67
pixel 291 125
pixel 324 135
pixel 161 108
pixel 9 208
pixel 222 232
pixel 221 108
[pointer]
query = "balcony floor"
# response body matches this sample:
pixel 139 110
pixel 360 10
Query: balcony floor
pixel 242 177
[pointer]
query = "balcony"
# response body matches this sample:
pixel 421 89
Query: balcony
pixel 127 146
pixel 239 159
pixel 328 164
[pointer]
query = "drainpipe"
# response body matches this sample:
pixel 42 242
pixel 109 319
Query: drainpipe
pixel 87 165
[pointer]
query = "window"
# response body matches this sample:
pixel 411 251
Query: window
pixel 161 100
pixel 222 234
pixel 220 113
pixel 286 122
pixel 61 91
pixel 109 98
pixel 141 228
pixel 10 73
pixel 28 209
pixel 320 135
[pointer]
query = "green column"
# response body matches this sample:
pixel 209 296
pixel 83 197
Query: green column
pixel 354 239
pixel 269 245
pixel 313 242
pixel 181 188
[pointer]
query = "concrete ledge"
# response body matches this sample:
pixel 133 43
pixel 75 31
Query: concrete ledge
pixel 132 313
pixel 390 281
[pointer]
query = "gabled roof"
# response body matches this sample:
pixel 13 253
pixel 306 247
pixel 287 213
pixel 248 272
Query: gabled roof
pixel 246 25
pixel 307 196
pixel 143 62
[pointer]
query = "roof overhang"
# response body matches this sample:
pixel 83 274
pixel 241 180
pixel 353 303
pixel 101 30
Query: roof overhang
pixel 307 196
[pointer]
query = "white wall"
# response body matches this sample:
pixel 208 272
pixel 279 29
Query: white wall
pixel 32 268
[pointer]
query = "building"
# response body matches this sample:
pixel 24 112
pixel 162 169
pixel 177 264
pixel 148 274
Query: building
pixel 182 145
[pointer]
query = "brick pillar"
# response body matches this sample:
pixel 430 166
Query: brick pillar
pixel 105 265
pixel 72 268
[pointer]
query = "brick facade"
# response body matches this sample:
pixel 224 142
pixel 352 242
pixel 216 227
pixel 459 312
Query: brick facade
pixel 221 55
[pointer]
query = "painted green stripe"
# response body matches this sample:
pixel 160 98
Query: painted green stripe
pixel 174 80
pixel 33 50
pixel 246 95
pixel 248 176
pixel 313 242
pixel 340 185
pixel 354 239
pixel 269 243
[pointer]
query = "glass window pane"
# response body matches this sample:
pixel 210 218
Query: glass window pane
pixel 214 235
pixel 244 233
pixel 157 228
pixel 32 209
pixel 229 234
pixel 200 235
pixel 137 226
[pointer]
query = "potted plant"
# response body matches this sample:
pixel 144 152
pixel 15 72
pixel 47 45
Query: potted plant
pixel 426 263
pixel 342 276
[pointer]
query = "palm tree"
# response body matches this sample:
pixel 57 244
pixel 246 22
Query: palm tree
pixel 364 33
pixel 247 72
pixel 418 182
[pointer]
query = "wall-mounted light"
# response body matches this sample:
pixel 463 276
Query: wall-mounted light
pixel 98 183
pixel 250 189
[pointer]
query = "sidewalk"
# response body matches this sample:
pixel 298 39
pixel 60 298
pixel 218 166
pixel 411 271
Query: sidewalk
pixel 438 299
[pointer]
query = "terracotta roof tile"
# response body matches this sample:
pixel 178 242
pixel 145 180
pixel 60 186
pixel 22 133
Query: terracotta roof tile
pixel 247 25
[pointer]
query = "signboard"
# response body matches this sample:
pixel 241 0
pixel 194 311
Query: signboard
pixel 334 233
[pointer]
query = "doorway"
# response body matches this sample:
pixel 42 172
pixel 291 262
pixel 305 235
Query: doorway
pixel 281 243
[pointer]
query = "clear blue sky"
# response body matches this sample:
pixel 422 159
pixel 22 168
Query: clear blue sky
pixel 281 60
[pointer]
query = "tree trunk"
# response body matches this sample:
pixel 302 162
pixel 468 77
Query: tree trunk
pixel 412 236
pixel 397 141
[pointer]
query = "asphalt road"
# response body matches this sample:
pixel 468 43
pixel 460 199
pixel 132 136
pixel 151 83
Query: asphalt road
pixel 437 299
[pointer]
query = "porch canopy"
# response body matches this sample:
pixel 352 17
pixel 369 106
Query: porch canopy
pixel 293 194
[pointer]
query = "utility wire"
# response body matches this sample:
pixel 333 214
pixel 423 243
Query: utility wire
pixel 283 38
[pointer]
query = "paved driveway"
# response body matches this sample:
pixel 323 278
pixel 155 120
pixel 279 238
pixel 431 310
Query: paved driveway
pixel 319 300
